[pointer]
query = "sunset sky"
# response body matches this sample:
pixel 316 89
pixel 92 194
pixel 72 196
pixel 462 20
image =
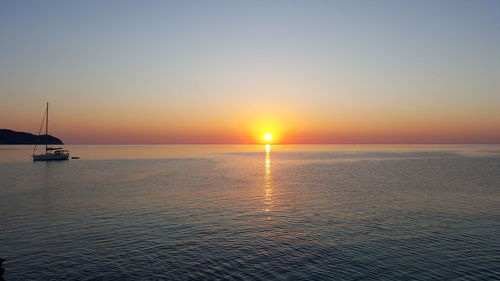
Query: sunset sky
pixel 141 72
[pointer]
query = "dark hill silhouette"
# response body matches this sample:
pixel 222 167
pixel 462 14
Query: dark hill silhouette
pixel 13 137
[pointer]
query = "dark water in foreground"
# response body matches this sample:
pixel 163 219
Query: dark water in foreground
pixel 240 213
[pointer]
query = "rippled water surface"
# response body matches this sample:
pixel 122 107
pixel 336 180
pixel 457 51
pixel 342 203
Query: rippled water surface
pixel 241 213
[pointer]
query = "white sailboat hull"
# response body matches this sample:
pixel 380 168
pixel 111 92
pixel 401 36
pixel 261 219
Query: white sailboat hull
pixel 50 157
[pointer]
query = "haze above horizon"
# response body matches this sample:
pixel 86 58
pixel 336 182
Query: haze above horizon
pixel 151 72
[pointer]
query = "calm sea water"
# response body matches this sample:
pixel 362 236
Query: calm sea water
pixel 241 213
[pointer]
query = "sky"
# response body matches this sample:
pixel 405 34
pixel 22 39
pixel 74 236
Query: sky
pixel 228 71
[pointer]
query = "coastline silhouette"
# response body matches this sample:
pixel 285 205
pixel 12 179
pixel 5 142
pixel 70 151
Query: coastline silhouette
pixel 14 137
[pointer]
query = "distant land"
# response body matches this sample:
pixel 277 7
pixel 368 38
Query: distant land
pixel 12 137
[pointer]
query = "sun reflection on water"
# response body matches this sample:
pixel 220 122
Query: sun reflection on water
pixel 267 180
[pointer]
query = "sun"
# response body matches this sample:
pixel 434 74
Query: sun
pixel 268 136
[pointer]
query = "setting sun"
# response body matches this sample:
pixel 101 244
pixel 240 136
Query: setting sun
pixel 268 137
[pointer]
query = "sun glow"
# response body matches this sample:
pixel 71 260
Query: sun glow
pixel 267 130
pixel 268 137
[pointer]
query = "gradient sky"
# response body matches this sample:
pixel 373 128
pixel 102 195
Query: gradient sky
pixel 132 72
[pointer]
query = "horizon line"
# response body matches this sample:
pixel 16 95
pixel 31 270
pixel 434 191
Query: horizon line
pixel 436 143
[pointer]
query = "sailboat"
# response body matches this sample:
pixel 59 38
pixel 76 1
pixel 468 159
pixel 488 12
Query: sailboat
pixel 51 153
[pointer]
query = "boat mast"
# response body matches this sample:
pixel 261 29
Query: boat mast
pixel 47 128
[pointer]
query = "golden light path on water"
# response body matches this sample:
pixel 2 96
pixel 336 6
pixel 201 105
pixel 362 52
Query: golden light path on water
pixel 267 180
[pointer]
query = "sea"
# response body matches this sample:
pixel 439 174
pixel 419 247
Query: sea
pixel 252 212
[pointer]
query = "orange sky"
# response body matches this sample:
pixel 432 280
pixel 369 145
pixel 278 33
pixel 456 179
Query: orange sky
pixel 157 127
